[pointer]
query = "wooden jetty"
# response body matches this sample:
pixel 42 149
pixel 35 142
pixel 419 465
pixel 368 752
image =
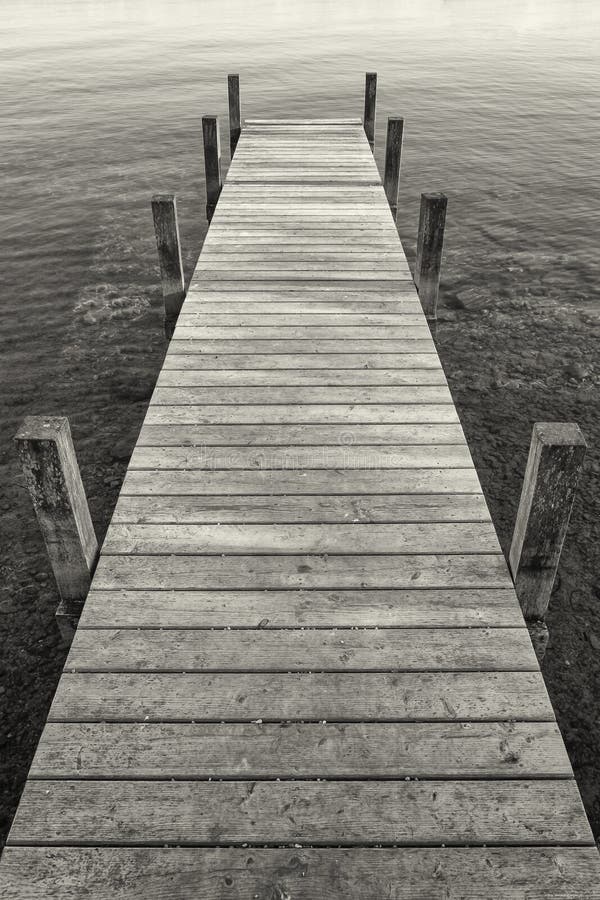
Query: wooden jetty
pixel 302 670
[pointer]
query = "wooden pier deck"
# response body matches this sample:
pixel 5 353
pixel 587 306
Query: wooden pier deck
pixel 302 671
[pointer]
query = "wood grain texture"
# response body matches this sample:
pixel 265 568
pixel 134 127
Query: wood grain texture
pixel 301 508
pixel 345 539
pixel 331 697
pixel 308 482
pixel 292 609
pixel 457 873
pixel 390 750
pixel 407 813
pixel 299 435
pixel 290 572
pixel 324 650
pixel 345 456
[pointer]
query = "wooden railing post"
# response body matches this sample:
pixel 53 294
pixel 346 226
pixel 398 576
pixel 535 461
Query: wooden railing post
pixel 212 162
pixel 235 112
pixel 430 243
pixel 52 476
pixel 393 156
pixel 555 459
pixel 166 229
pixel 370 101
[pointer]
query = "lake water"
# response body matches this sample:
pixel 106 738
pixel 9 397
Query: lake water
pixel 102 107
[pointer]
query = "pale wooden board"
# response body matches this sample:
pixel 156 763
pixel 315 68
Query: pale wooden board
pixel 348 812
pixel 176 358
pixel 290 609
pixel 344 539
pixel 424 750
pixel 324 288
pixel 303 650
pixel 396 308
pixel 336 395
pixel 316 509
pixel 344 456
pixel 331 697
pixel 317 348
pixel 309 571
pixel 246 414
pixel 457 873
pixel 306 377
pixel 249 320
pixel 309 482
pixel 282 435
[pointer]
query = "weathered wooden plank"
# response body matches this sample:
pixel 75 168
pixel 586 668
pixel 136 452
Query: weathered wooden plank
pixel 307 377
pixel 351 508
pixel 313 457
pixel 344 539
pixel 397 308
pixel 349 812
pixel 283 572
pixel 390 750
pixel 281 435
pixel 331 697
pixel 249 320
pixel 246 414
pixel 176 358
pixel 317 348
pixel 457 873
pixel 238 395
pixel 308 482
pixel 375 286
pixel 303 650
pixel 316 609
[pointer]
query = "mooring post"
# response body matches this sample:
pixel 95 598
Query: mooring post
pixel 166 229
pixel 235 111
pixel 393 156
pixel 555 459
pixel 430 242
pixel 212 162
pixel 370 100
pixel 52 476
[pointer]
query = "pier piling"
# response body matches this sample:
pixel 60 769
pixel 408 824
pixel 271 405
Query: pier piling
pixel 235 112
pixel 430 244
pixel 370 102
pixel 46 451
pixel 393 155
pixel 166 229
pixel 555 459
pixel 212 162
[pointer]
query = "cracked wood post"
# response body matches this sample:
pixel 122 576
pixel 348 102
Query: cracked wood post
pixel 370 100
pixel 212 162
pixel 52 477
pixel 393 155
pixel 555 459
pixel 430 242
pixel 235 112
pixel 166 229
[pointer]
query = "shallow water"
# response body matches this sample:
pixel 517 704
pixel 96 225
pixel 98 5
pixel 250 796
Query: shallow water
pixel 102 108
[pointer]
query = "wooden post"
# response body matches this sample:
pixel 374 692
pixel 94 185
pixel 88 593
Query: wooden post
pixel 555 459
pixel 166 229
pixel 52 476
pixel 370 99
pixel 393 155
pixel 235 112
pixel 430 242
pixel 212 162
